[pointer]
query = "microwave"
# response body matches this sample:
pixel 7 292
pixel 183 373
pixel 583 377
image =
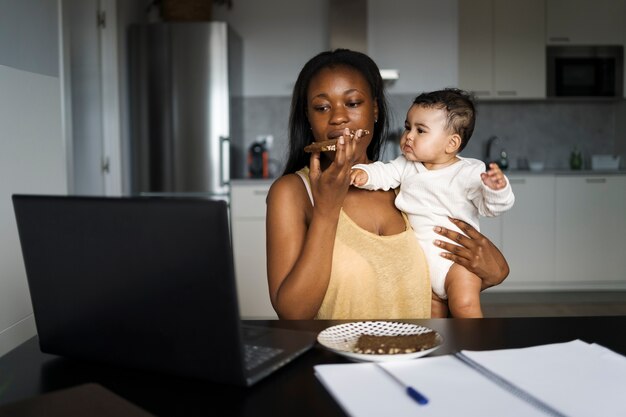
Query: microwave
pixel 585 71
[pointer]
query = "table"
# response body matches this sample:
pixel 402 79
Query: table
pixel 293 390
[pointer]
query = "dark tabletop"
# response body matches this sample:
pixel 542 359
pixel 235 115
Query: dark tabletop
pixel 293 390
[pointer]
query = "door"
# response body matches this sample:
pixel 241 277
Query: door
pixel 91 100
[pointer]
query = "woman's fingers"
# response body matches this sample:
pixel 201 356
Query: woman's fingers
pixel 454 236
pixel 466 228
pixel 462 251
pixel 474 251
pixel 455 253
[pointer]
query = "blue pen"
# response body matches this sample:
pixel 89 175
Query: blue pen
pixel 412 392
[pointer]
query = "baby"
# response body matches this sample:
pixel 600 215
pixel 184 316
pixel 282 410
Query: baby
pixel 436 183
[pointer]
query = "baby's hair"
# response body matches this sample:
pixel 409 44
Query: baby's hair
pixel 459 106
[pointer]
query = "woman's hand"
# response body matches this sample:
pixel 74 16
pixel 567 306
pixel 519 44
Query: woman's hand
pixel 330 186
pixel 475 252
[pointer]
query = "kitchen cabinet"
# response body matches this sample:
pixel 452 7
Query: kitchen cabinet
pixel 590 228
pixel 528 236
pixel 502 48
pixel 585 22
pixel 491 227
pixel 565 232
pixel 248 235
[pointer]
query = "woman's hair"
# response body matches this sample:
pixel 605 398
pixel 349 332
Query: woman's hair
pixel 300 133
pixel 459 108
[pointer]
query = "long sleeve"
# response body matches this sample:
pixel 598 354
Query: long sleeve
pixel 490 203
pixel 383 176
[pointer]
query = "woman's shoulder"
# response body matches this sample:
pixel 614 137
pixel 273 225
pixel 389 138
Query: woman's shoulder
pixel 283 184
pixel 288 187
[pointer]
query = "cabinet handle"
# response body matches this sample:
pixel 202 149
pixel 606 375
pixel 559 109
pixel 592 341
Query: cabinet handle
pixel 517 181
pixel 559 39
pixel 595 180
pixel 260 192
pixel 507 93
pixel 482 93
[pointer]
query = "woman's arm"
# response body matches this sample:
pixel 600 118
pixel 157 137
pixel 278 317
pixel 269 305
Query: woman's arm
pixel 299 251
pixel 300 238
pixel 475 252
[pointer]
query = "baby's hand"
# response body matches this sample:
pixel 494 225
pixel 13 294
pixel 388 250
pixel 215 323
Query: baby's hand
pixel 358 177
pixel 494 178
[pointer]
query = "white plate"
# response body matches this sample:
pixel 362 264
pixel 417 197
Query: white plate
pixel 342 338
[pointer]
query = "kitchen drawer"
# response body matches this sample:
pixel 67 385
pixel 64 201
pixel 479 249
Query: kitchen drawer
pixel 248 200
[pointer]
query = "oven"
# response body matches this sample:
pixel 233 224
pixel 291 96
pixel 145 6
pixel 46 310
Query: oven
pixel 585 71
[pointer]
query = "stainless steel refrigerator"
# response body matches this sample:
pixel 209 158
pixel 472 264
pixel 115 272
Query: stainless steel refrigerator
pixel 184 80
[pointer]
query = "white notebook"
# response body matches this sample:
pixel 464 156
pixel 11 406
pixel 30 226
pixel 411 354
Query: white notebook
pixel 563 379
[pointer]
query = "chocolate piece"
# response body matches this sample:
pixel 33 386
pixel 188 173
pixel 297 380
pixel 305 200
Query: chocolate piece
pixel 328 145
pixel 386 345
pixel 323 146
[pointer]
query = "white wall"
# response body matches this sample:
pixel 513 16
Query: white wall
pixel 417 37
pixel 32 152
pixel 278 38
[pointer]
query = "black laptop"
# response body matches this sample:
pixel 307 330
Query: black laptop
pixel 144 282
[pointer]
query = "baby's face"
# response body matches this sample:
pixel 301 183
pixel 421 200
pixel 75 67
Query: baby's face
pixel 425 137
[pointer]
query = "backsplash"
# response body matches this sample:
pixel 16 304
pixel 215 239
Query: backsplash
pixel 544 131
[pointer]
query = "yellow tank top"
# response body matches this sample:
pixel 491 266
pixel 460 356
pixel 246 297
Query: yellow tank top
pixel 375 277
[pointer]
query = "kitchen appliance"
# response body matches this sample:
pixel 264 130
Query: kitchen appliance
pixel 258 160
pixel 605 162
pixel 184 77
pixel 585 71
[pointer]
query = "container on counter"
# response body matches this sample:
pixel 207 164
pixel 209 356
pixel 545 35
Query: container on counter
pixel 576 159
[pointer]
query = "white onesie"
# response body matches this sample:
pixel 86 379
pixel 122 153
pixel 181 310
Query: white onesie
pixel 429 197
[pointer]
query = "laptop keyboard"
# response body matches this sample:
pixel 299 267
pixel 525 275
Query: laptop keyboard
pixel 255 355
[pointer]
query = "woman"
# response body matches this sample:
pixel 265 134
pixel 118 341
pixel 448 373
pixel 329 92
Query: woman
pixel 335 251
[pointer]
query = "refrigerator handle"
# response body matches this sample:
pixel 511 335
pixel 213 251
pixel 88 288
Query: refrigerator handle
pixel 224 160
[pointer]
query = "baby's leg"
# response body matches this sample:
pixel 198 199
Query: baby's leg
pixel 438 307
pixel 463 289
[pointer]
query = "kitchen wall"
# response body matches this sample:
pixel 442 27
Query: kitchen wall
pixel 32 152
pixel 535 130
pixel 420 39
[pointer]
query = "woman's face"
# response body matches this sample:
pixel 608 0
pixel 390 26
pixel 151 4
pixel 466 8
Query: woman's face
pixel 338 98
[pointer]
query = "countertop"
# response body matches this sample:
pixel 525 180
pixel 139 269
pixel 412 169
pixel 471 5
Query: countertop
pixel 582 172
pixel 252 181
pixel 508 173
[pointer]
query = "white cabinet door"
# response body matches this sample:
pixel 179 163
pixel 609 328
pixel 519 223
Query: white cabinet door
pixel 476 47
pixel 502 48
pixel 528 233
pixel 491 227
pixel 585 22
pixel 248 230
pixel 519 49
pixel 590 230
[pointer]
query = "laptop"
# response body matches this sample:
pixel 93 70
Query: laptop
pixel 146 283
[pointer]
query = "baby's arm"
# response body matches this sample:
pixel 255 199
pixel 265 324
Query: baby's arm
pixel 494 178
pixel 493 194
pixel 358 177
pixel 379 175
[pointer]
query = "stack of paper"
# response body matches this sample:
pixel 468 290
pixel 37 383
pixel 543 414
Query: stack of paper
pixel 564 379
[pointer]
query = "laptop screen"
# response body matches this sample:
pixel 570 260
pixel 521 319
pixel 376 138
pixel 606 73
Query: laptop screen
pixel 143 282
